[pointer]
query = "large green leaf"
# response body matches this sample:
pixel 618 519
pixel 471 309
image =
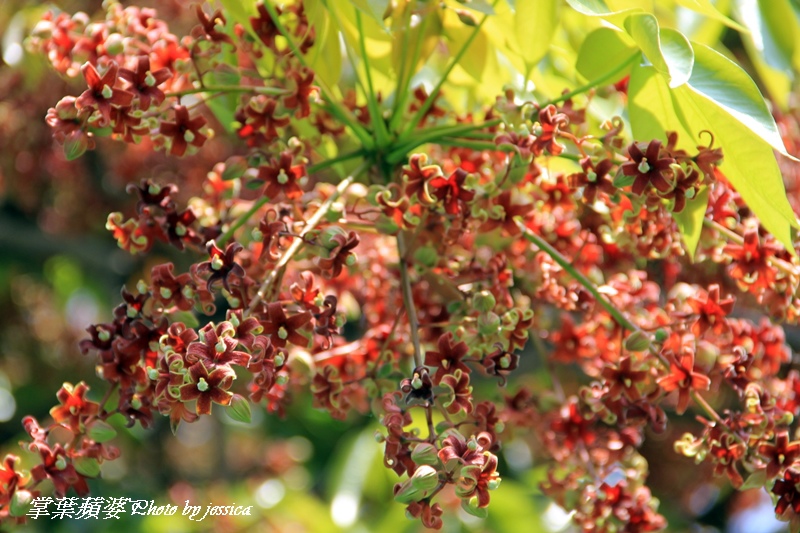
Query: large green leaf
pixel 723 82
pixel 651 110
pixel 325 57
pixel 594 8
pixel 690 220
pixel 541 15
pixel 602 51
pixel 668 50
pixel 749 162
pixel 707 8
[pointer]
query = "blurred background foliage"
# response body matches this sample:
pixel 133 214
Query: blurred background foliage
pixel 61 271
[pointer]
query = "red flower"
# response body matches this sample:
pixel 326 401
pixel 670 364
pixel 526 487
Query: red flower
pixel 417 174
pixel 550 121
pixel 101 94
pixel 751 266
pixel 451 191
pixel 593 179
pixel 208 26
pixel 208 387
pixel 788 493
pixel 217 348
pixel 711 310
pixel 184 131
pixel 281 177
pixel 448 359
pixel 300 81
pixel 144 83
pixel 781 454
pixel 509 212
pixel 623 379
pixel 682 375
pixel 74 408
pixel 221 266
pixel 280 328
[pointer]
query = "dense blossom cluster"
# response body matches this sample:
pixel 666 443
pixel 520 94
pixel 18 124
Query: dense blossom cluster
pixel 452 262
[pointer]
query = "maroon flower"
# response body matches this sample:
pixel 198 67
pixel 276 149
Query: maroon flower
pixel 301 86
pixel 261 116
pixel 458 392
pixel 184 131
pixel 281 176
pixel 144 83
pixel 788 494
pixel 448 359
pixel 417 174
pixel 101 94
pixel 550 121
pixel 509 212
pixel 430 515
pixel 208 26
pixel 281 329
pixel 208 387
pixel 217 348
pixel 593 179
pixel 221 267
pixel 623 379
pixel 340 246
pixel 781 454
pixel 647 166
pixel 711 311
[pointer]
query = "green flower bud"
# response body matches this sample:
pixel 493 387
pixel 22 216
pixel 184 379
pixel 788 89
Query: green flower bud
pixel 425 453
pixel 638 341
pixel 484 301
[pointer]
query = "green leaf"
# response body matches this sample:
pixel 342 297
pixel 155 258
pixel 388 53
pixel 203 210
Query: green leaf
pixel 602 51
pixel 722 81
pixel 374 9
pixel 101 431
pixel 668 50
pixel 705 7
pixel 651 109
pixel 541 15
pixel 749 162
pixel 325 57
pixel 593 8
pixel 778 32
pixel 690 220
pixel 87 466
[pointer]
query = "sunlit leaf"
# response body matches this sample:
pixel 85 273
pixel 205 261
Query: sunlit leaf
pixel 668 50
pixel 722 81
pixel 651 109
pixel 535 23
pixel 749 162
pixel 593 8
pixel 690 220
pixel 602 51
pixel 707 8
pixel 325 57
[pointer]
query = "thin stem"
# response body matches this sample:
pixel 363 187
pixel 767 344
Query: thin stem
pixel 417 118
pixel 706 407
pixel 297 243
pixel 408 300
pixel 338 159
pixel 595 83
pixel 400 90
pixel 378 125
pixel 227 89
pixel 562 261
pixel 433 134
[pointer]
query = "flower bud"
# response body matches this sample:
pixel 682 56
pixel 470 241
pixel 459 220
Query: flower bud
pixel 20 502
pixel 425 478
pixel 638 341
pixel 239 409
pixel 425 454
pixel 484 301
pixel 101 431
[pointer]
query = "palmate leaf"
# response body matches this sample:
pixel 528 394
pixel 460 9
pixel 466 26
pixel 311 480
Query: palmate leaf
pixel 535 23
pixel 667 50
pixel 707 8
pixel 720 97
pixel 602 51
